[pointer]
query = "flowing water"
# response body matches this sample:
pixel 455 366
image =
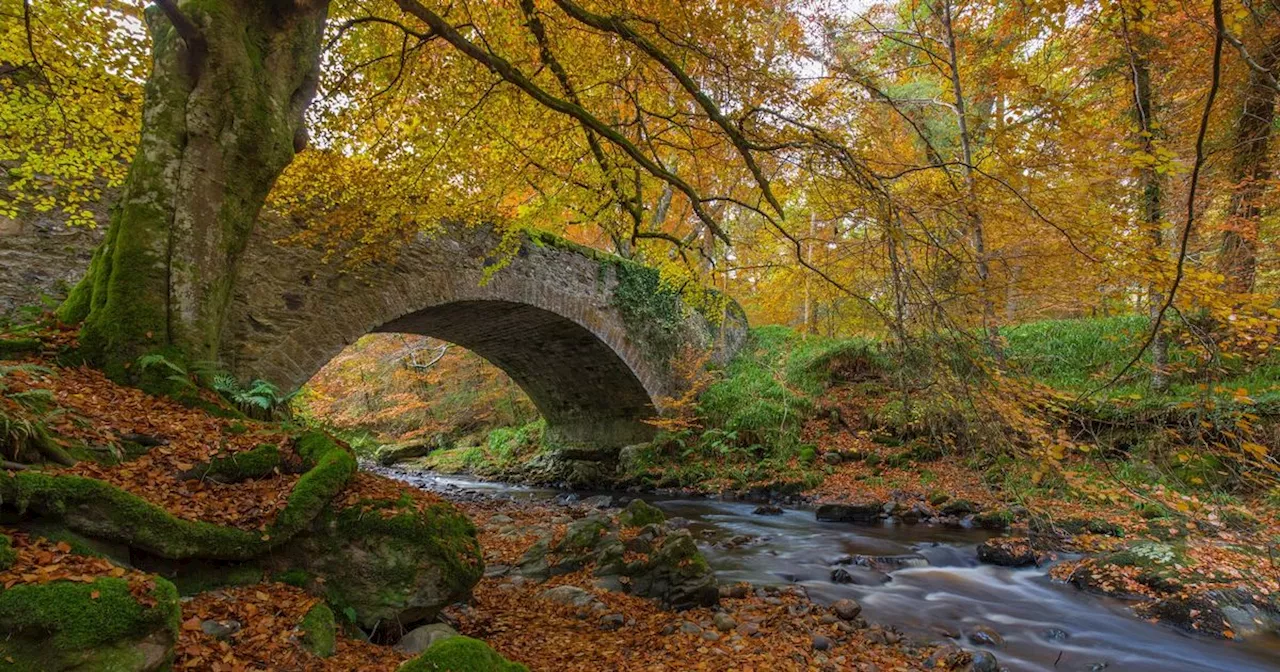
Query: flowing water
pixel 926 581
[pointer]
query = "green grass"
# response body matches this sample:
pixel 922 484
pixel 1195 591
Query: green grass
pixel 1079 355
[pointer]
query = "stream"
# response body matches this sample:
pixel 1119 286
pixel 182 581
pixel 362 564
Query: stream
pixel 926 581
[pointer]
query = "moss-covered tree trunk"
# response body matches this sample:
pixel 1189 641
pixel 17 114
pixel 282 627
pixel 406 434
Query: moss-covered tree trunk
pixel 222 118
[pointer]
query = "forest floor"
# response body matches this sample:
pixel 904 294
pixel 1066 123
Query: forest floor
pixel 774 630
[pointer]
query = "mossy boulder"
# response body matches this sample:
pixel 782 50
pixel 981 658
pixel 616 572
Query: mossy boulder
pixel 100 626
pixel 461 654
pixel 583 534
pixel 640 513
pixel 319 631
pixel 676 574
pixel 387 561
pixel 100 510
pixel 398 452
pixel 1155 561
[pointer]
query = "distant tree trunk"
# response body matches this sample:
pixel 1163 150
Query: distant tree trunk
pixel 222 117
pixel 1250 171
pixel 977 234
pixel 1150 192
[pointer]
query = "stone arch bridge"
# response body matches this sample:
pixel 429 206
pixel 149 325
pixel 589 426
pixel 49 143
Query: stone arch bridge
pixel 587 335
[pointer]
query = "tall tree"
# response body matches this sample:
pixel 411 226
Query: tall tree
pixel 1250 170
pixel 223 115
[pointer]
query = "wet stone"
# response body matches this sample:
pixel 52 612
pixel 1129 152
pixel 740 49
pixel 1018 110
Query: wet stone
pixel 986 636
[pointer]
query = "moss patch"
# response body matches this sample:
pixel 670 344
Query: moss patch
pixel 461 654
pixel 98 509
pixel 91 626
pixel 260 462
pixel 13 347
pixel 319 634
pixel 640 513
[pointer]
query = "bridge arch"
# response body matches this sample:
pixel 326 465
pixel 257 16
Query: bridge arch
pixel 550 317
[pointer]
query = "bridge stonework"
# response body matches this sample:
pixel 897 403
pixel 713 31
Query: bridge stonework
pixel 550 318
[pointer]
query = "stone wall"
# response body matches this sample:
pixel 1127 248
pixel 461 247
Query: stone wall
pixel 40 256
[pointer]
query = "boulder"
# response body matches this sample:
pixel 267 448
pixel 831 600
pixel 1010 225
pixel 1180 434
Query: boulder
pixel 846 609
pixel 319 631
pixel 421 638
pixel 676 574
pixel 403 565
pixel 768 510
pixel 97 625
pixel 461 654
pixel 640 513
pixel 1008 552
pixel 398 452
pixel 568 595
pixel 986 636
pixel 864 512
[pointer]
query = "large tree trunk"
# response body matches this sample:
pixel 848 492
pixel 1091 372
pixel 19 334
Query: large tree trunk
pixel 223 116
pixel 1250 171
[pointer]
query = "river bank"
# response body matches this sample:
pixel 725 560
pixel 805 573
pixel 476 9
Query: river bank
pixel 921 583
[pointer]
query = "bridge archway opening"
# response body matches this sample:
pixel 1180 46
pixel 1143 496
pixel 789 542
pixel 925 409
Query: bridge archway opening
pixel 585 391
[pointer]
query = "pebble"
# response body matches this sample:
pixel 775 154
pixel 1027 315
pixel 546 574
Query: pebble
pixel 748 629
pixel 1056 635
pixel 821 643
pixel 220 629
pixel 847 609
pixel 710 635
pixel 724 622
pixel 612 621
pixel 690 628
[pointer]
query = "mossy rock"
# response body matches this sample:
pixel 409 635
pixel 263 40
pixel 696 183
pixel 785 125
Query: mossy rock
pixel 80 544
pixel 100 626
pixel 403 567
pixel 583 535
pixel 7 554
pixel 994 520
pixel 958 507
pixel 319 631
pixel 1077 526
pixel 677 574
pixel 461 654
pixel 640 513
pixel 98 509
pixel 17 347
pixel 260 462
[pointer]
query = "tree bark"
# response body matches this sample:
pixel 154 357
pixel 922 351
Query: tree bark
pixel 222 117
pixel 1150 189
pixel 977 233
pixel 1250 172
